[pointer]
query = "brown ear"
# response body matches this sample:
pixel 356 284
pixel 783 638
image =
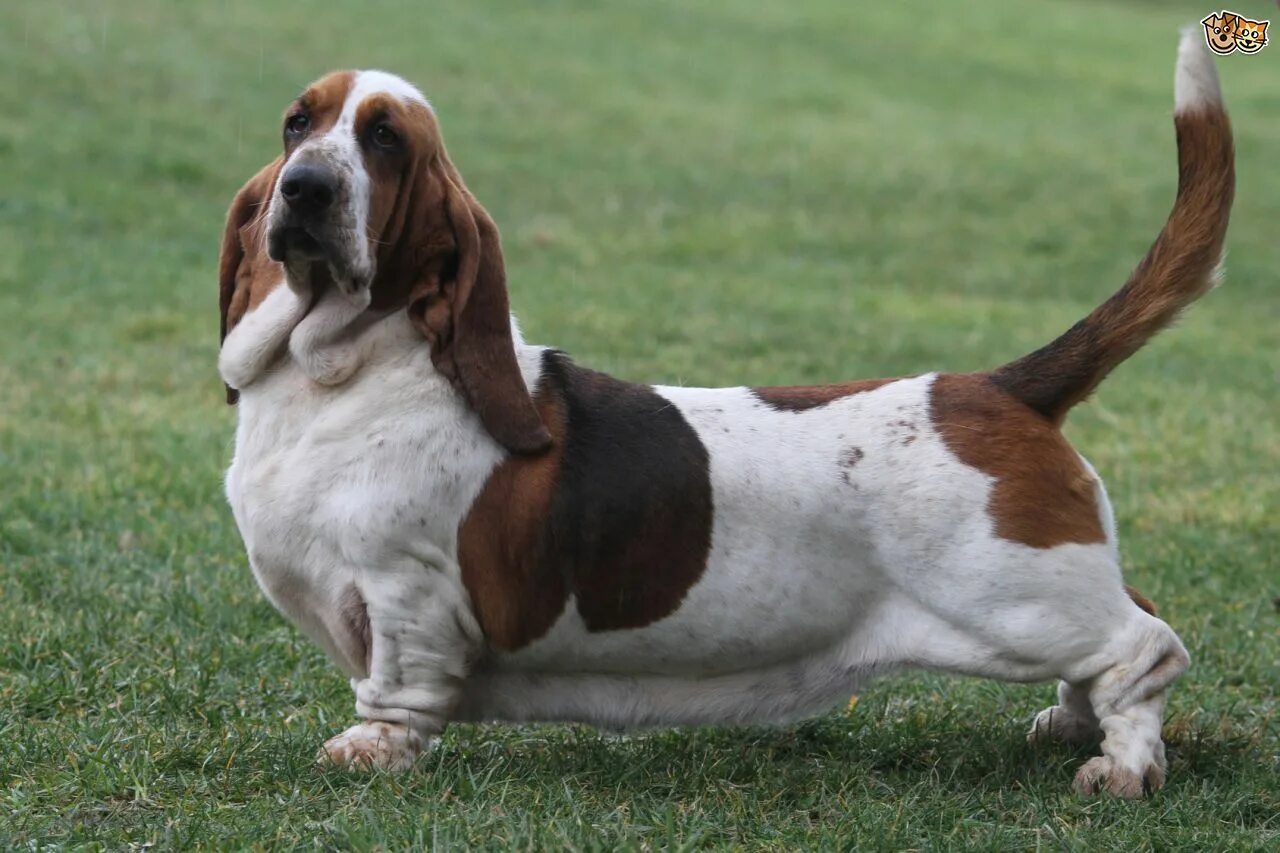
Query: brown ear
pixel 241 251
pixel 468 322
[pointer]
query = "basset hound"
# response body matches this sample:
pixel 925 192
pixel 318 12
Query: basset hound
pixel 477 528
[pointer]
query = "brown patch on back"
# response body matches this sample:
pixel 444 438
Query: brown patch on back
pixel 800 398
pixel 617 513
pixel 1043 495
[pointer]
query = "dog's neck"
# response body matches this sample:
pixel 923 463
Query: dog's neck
pixel 329 337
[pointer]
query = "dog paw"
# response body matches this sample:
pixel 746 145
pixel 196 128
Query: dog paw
pixel 386 746
pixel 1061 724
pixel 1103 774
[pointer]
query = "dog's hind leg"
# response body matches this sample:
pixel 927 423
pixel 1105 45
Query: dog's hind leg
pixel 1070 721
pixel 1128 700
pixel 1020 614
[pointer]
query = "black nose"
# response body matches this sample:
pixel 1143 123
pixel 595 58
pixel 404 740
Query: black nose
pixel 309 190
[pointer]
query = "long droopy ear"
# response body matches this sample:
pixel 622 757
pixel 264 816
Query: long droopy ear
pixel 242 258
pixel 467 320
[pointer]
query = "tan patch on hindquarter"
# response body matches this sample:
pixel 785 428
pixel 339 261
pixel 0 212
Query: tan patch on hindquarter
pixel 1043 495
pixel 800 398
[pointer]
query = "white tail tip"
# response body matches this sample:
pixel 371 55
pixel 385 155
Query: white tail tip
pixel 1195 82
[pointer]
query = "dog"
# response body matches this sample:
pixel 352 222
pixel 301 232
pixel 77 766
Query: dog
pixel 1220 32
pixel 477 528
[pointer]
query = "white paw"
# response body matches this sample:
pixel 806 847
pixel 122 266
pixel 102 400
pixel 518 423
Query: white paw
pixel 387 746
pixel 1062 724
pixel 1103 774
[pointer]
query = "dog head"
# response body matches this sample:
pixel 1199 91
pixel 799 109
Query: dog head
pixel 1220 32
pixel 364 196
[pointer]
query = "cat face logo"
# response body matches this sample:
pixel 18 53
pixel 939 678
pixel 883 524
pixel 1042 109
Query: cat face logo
pixel 1251 36
pixel 1227 31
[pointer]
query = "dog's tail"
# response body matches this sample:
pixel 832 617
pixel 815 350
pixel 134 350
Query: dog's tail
pixel 1180 267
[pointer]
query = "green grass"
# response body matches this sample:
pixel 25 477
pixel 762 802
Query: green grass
pixel 709 193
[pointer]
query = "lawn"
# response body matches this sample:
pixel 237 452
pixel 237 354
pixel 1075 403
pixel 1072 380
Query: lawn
pixel 701 193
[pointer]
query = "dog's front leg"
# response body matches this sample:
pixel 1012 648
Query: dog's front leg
pixel 422 640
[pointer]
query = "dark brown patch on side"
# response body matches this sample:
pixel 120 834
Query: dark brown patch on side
pixel 800 398
pixel 1043 495
pixel 617 514
pixel 1141 600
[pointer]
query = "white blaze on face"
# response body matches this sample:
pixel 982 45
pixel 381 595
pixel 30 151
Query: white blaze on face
pixel 365 85
pixel 339 150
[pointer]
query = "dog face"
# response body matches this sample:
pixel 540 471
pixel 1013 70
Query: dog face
pixel 318 213
pixel 1220 33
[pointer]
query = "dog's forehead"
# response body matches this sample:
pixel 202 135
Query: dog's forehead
pixel 365 84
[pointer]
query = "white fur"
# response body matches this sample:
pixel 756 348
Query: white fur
pixel 360 486
pixel 848 540
pixel 373 82
pixel 1195 78
pixel 255 342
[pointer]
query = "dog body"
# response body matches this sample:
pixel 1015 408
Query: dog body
pixel 475 528
pixel 848 539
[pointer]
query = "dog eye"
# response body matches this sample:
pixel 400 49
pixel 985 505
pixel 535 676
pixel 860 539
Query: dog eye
pixel 297 124
pixel 384 136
